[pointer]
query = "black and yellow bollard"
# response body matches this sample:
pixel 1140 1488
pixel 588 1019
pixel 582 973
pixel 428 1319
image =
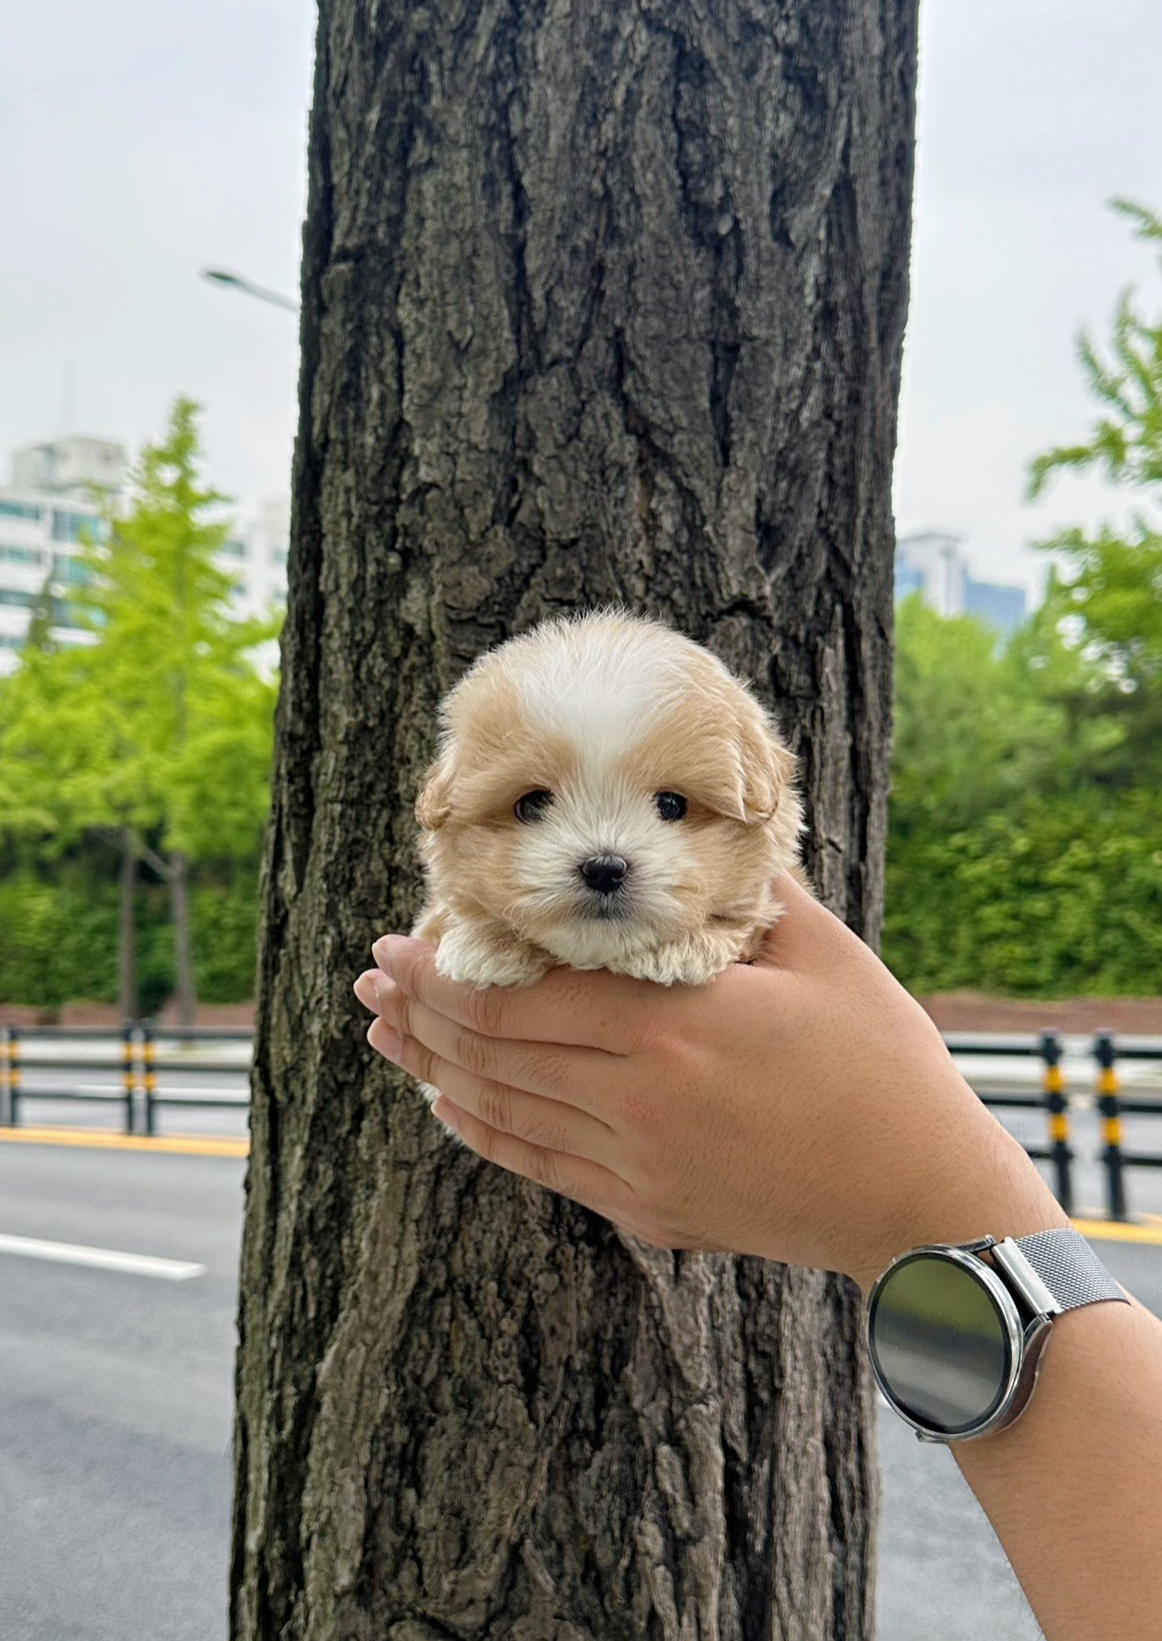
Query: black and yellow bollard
pixel 128 1072
pixel 1111 1124
pixel 149 1057
pixel 1057 1110
pixel 9 1076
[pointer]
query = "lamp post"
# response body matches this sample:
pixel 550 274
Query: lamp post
pixel 219 276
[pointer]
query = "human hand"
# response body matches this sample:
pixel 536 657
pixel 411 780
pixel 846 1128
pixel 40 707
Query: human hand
pixel 802 1107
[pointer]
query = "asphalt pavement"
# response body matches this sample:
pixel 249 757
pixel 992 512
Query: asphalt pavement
pixel 115 1397
pixel 115 1414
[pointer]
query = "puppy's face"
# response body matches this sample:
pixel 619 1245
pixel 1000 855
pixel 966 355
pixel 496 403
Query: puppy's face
pixel 605 786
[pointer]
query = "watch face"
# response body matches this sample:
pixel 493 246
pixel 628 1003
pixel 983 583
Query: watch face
pixel 941 1345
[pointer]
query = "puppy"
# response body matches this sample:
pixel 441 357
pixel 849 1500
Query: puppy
pixel 607 795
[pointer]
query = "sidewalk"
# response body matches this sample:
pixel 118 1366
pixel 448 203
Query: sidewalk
pixel 975 1011
pixel 952 1011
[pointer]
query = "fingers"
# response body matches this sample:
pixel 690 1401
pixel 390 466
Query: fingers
pixel 588 1183
pixel 366 988
pixel 596 1009
pixel 576 1077
pixel 540 1121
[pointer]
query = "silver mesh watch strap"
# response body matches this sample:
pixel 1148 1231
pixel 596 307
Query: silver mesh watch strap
pixel 1069 1268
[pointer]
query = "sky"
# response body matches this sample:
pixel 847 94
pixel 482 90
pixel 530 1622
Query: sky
pixel 141 143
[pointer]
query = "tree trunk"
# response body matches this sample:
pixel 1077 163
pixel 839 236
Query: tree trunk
pixel 179 888
pixel 600 302
pixel 126 947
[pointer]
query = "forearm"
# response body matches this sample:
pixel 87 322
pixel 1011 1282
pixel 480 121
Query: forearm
pixel 1074 1488
pixel 804 1108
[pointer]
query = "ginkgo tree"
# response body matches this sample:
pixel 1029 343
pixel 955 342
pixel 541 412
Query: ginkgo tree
pixel 156 734
pixel 1108 593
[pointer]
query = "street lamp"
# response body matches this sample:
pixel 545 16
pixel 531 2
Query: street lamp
pixel 221 277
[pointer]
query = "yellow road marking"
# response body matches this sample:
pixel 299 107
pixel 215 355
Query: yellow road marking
pixel 182 1145
pixel 1105 1230
pixel 1148 1231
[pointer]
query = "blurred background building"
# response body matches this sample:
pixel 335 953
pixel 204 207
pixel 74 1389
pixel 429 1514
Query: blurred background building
pixel 59 489
pixel 933 564
pixel 55 500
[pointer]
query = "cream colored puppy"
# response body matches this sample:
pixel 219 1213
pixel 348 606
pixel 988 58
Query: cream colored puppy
pixel 607 795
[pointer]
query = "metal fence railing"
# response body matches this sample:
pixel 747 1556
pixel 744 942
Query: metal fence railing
pixel 1054 1100
pixel 137 1064
pixel 139 1067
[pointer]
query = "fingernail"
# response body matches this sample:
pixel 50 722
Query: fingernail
pixel 379 952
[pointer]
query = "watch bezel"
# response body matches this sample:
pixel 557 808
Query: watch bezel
pixel 1015 1333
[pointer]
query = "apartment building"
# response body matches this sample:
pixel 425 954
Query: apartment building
pixel 933 564
pixel 54 502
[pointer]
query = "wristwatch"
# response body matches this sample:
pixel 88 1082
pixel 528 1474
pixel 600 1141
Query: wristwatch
pixel 956 1332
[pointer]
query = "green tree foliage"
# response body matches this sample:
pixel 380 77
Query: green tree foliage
pixel 161 722
pixel 171 662
pixel 61 930
pixel 1109 594
pixel 1012 866
pixel 1041 899
pixel 1025 843
pixel 970 736
pixel 156 735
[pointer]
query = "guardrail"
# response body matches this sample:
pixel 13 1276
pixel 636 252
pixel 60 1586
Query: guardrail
pixel 139 1066
pixel 1054 1101
pixel 141 1097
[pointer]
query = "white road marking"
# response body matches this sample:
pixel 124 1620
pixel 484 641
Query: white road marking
pixel 241 1100
pixel 104 1259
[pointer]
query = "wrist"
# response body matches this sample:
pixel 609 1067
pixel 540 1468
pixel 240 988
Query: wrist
pixel 982 1184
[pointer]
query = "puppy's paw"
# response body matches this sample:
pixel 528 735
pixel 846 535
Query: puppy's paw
pixel 432 1095
pixel 484 955
pixel 690 962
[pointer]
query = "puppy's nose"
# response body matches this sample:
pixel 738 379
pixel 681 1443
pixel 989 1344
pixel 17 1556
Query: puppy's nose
pixel 604 873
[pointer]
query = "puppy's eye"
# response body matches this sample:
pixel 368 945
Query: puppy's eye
pixel 671 806
pixel 533 805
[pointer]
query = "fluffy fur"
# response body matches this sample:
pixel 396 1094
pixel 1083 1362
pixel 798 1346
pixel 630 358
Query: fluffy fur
pixel 603 712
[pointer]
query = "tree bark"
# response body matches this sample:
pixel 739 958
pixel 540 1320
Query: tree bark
pixel 179 889
pixel 600 302
pixel 126 943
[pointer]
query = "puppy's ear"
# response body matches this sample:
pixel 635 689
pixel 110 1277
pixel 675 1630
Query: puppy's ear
pixel 434 804
pixel 767 766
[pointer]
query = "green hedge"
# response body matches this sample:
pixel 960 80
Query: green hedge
pixel 1052 900
pixel 1046 899
pixel 60 940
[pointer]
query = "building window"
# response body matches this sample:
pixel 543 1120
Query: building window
pixel 20 555
pixel 9 595
pixel 20 510
pixel 65 614
pixel 234 549
pixel 70 570
pixel 76 526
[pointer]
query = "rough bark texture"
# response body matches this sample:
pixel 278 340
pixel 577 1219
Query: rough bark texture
pixel 126 951
pixel 179 888
pixel 600 301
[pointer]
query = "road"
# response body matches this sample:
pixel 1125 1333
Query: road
pixel 227 1079
pixel 115 1398
pixel 115 1413
pixel 942 1575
